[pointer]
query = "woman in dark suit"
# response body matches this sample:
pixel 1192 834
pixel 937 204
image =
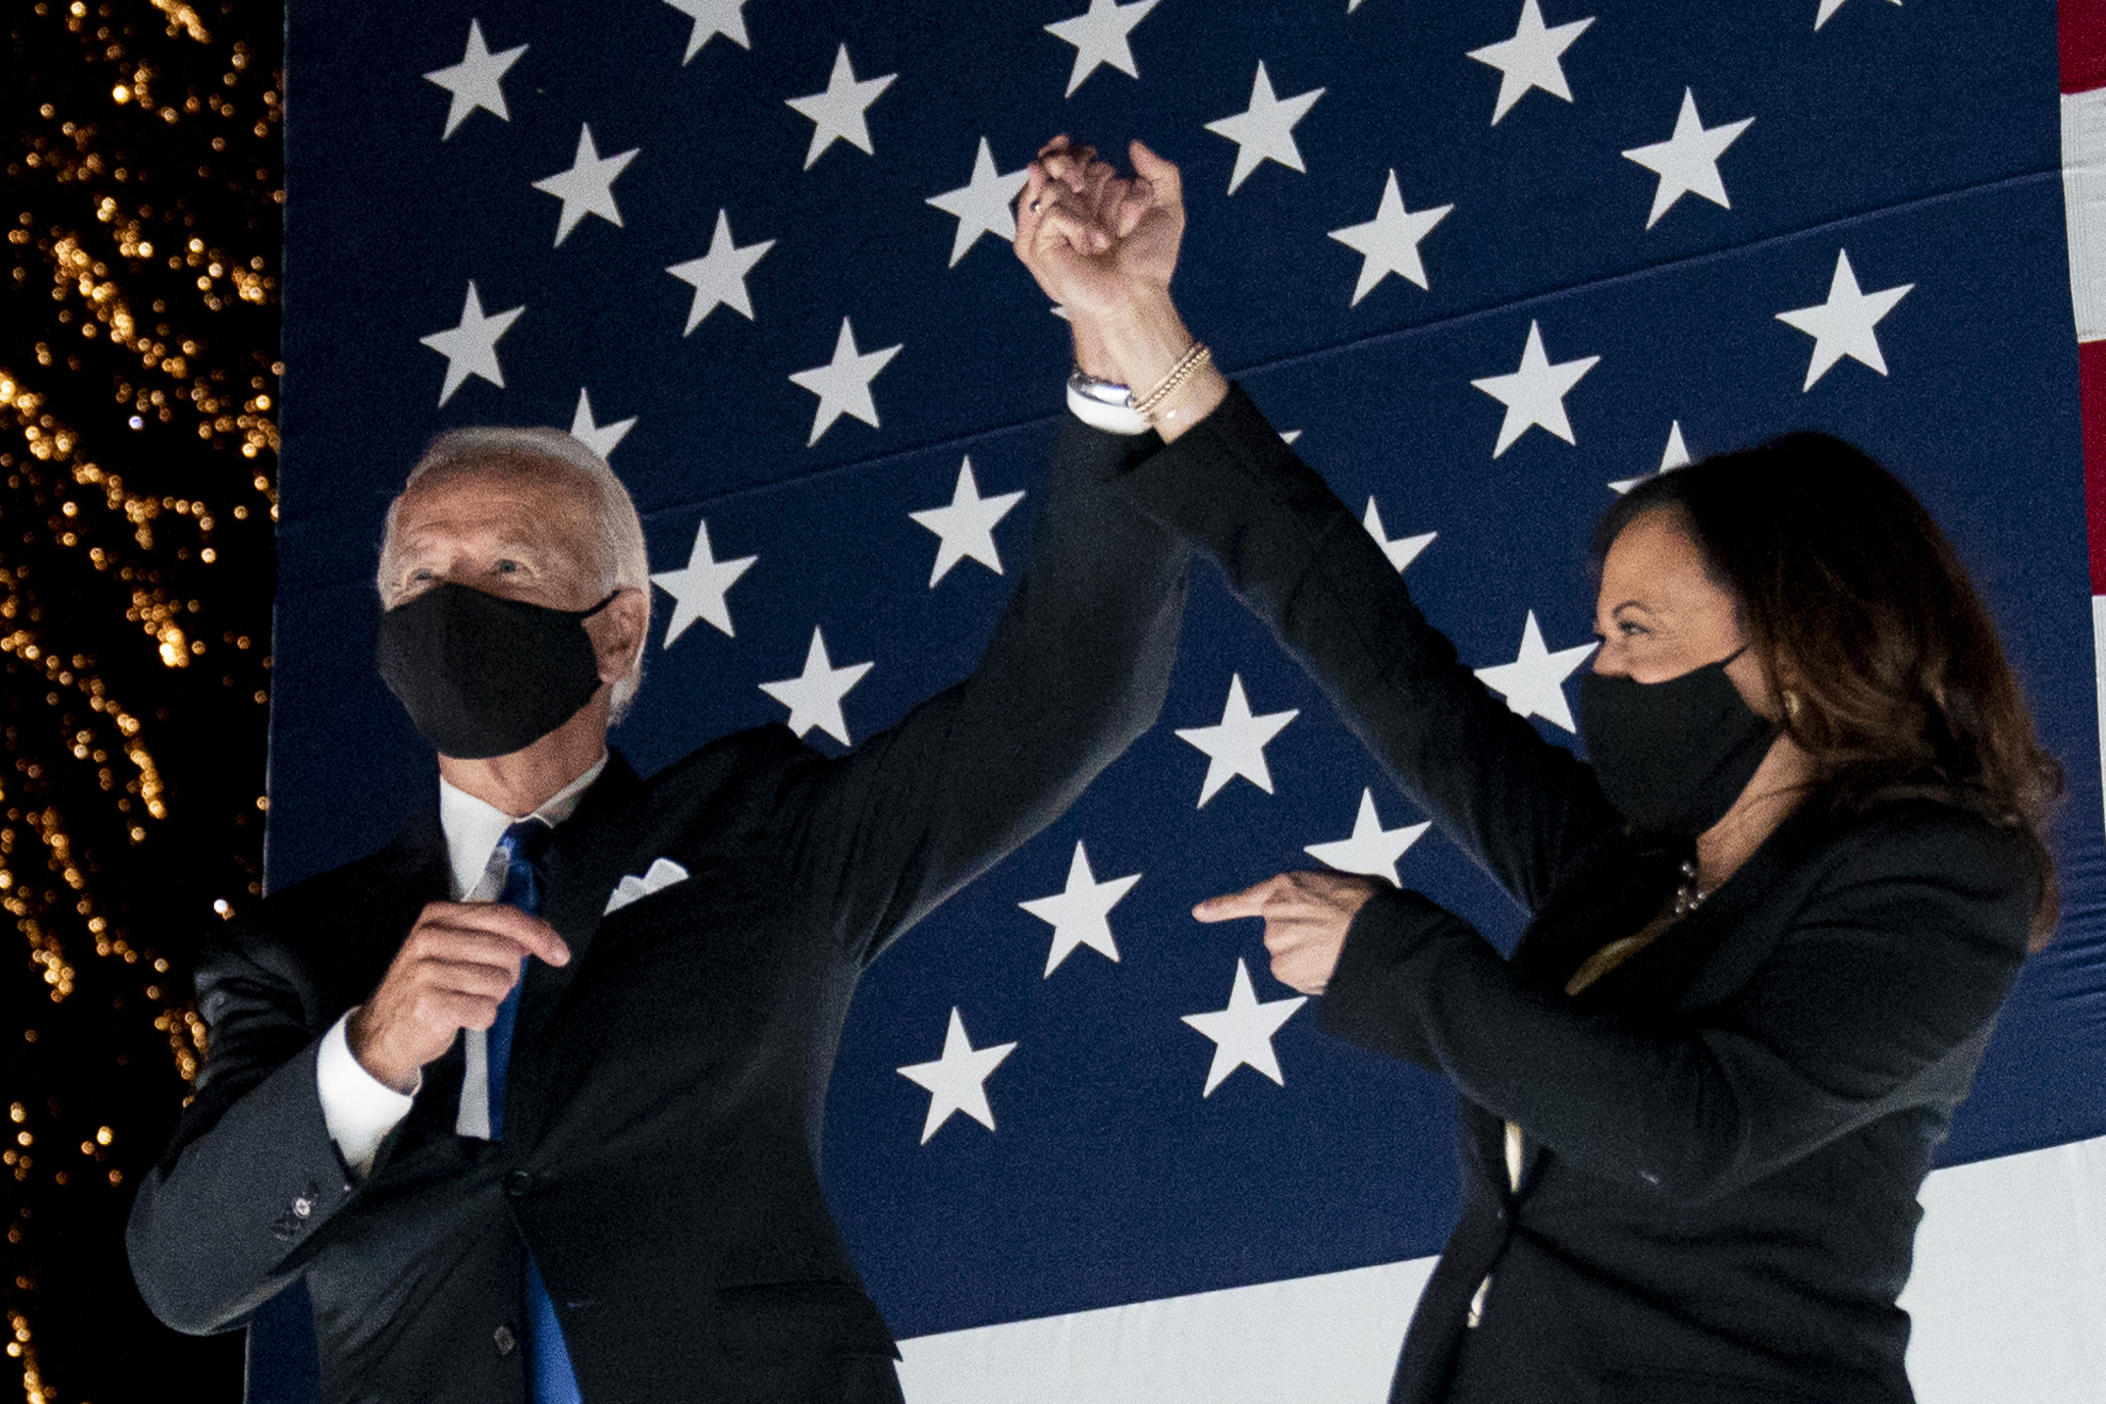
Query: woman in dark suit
pixel 1770 924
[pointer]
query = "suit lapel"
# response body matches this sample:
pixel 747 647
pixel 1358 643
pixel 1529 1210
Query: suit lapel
pixel 1615 895
pixel 1723 935
pixel 1611 893
pixel 368 927
pixel 1650 983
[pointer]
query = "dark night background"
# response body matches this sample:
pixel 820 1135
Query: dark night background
pixel 138 384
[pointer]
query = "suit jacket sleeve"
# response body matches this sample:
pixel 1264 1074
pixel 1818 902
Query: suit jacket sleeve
pixel 1298 560
pixel 1077 669
pixel 252 1144
pixel 1878 995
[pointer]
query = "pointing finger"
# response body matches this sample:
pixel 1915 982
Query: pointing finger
pixel 1230 906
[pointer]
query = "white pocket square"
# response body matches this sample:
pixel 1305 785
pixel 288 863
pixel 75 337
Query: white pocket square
pixel 663 873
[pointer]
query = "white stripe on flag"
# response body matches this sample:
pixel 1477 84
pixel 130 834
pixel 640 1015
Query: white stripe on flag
pixel 2098 672
pixel 2084 206
pixel 1305 1339
pixel 2009 1295
pixel 2009 1302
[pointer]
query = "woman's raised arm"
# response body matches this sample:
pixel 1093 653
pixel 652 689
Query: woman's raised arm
pixel 1106 246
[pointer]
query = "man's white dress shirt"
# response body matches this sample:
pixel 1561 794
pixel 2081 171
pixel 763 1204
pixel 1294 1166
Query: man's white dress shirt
pixel 359 1108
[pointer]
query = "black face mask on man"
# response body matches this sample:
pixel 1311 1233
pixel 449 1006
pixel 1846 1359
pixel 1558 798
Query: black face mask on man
pixel 482 675
pixel 1673 756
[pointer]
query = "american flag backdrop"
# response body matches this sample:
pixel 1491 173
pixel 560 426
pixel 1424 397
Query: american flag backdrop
pixel 1488 261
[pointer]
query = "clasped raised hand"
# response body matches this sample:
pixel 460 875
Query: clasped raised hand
pixel 1104 247
pixel 1097 241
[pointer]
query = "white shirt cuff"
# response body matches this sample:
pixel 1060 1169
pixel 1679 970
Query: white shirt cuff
pixel 358 1108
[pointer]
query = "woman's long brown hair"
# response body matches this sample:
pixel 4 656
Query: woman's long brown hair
pixel 1861 610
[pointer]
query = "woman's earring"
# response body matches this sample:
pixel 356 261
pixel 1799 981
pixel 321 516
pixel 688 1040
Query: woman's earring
pixel 1791 705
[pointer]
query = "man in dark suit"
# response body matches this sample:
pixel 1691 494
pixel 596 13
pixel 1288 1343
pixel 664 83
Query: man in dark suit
pixel 531 1098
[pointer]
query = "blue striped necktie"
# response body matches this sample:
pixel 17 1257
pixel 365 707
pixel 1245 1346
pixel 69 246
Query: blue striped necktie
pixel 550 1379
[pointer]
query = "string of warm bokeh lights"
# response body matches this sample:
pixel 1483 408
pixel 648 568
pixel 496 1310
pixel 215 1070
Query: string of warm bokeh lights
pixel 138 446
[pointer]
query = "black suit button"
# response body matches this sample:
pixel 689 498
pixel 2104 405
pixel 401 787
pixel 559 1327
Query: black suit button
pixel 519 1184
pixel 504 1341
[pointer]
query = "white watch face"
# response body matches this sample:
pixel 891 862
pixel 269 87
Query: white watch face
pixel 1113 418
pixel 1109 392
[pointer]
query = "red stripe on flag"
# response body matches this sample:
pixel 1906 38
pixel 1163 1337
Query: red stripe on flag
pixel 2091 376
pixel 2083 42
pixel 2083 45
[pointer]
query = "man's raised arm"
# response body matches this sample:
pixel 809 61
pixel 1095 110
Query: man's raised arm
pixel 1076 670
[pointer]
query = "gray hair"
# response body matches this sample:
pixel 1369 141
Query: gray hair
pixel 617 542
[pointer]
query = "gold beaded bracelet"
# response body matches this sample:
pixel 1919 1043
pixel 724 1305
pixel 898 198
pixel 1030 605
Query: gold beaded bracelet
pixel 1190 364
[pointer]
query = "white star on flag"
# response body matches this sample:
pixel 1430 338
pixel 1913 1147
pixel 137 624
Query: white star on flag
pixel 1531 58
pixel 698 590
pixel 1829 7
pixel 982 204
pixel 600 438
pixel 1534 683
pixel 1843 325
pixel 1687 162
pixel 1236 744
pixel 1100 36
pixel 1265 130
pixel 837 113
pixel 1402 551
pixel 957 1081
pixel 470 348
pixel 1676 455
pixel 719 276
pixel 713 17
pixel 1370 849
pixel 588 186
pixel 1080 914
pixel 843 384
pixel 814 696
pixel 1242 1033
pixel 476 81
pixel 966 527
pixel 1389 243
pixel 1534 395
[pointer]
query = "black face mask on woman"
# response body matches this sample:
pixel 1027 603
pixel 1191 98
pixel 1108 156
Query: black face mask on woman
pixel 484 676
pixel 1673 756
